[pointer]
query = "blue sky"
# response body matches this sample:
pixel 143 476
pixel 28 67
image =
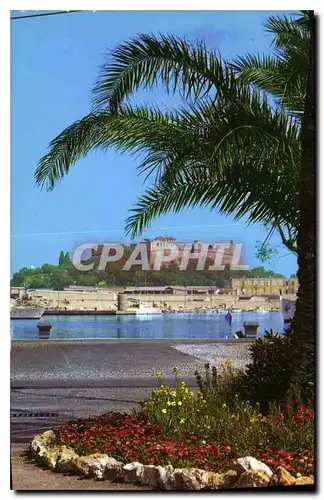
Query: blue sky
pixel 54 63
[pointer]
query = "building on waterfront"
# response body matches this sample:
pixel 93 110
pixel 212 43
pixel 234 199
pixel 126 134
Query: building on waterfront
pixel 264 286
pixel 18 292
pixel 172 290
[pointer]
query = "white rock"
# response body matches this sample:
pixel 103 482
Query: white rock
pixel 47 435
pixel 245 464
pixel 50 456
pixel 152 476
pixel 98 466
pixel 133 472
pixel 64 460
pixel 105 467
pixel 166 477
pixel 113 469
pixel 253 479
pixel 81 465
pixel 195 479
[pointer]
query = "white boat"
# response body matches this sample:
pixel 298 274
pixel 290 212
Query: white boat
pixel 26 312
pixel 147 309
pixel 287 309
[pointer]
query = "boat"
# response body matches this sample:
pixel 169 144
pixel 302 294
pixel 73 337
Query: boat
pixel 287 309
pixel 147 309
pixel 26 312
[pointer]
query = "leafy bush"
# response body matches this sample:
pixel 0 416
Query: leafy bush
pixel 268 376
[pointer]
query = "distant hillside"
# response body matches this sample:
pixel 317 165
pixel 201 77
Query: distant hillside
pixel 64 274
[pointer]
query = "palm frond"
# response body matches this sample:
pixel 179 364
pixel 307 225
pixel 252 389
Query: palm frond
pixel 146 60
pixel 282 75
pixel 192 188
pixel 73 143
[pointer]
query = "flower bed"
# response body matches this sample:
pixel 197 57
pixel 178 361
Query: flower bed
pixel 134 438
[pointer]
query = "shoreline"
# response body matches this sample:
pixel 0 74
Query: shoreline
pixel 53 342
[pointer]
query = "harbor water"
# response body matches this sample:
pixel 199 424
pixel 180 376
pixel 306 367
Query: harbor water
pixel 161 326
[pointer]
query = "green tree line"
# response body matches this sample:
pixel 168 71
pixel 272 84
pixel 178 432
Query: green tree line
pixel 65 274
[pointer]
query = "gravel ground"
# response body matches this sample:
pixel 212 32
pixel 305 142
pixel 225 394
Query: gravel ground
pixel 216 353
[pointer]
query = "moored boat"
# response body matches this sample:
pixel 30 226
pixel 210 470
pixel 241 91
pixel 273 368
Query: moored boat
pixel 147 309
pixel 26 313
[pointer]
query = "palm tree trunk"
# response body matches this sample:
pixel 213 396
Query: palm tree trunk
pixel 303 328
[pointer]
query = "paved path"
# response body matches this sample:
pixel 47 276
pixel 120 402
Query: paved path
pixel 97 360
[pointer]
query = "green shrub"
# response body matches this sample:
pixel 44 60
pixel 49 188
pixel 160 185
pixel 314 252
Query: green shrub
pixel 268 376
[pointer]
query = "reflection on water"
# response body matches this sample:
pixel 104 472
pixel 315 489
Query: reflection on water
pixel 164 326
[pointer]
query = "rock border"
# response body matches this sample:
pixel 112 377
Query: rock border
pixel 249 473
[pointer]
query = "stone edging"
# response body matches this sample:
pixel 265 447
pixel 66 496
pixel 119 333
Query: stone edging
pixel 249 471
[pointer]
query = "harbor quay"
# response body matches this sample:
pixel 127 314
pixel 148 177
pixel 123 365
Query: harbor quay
pixel 176 298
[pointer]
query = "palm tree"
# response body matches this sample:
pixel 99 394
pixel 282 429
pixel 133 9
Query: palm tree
pixel 241 143
pixel 304 321
pixel 226 148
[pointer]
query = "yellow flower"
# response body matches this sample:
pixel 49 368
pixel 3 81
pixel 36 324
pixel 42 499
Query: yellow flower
pixel 158 374
pixel 169 403
pixel 252 420
pixel 229 363
pixel 183 384
pixel 173 394
pixel 224 405
pixel 223 364
pixel 164 410
pixel 174 369
pixel 182 421
pixel 180 403
pixel 186 390
pixel 173 403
